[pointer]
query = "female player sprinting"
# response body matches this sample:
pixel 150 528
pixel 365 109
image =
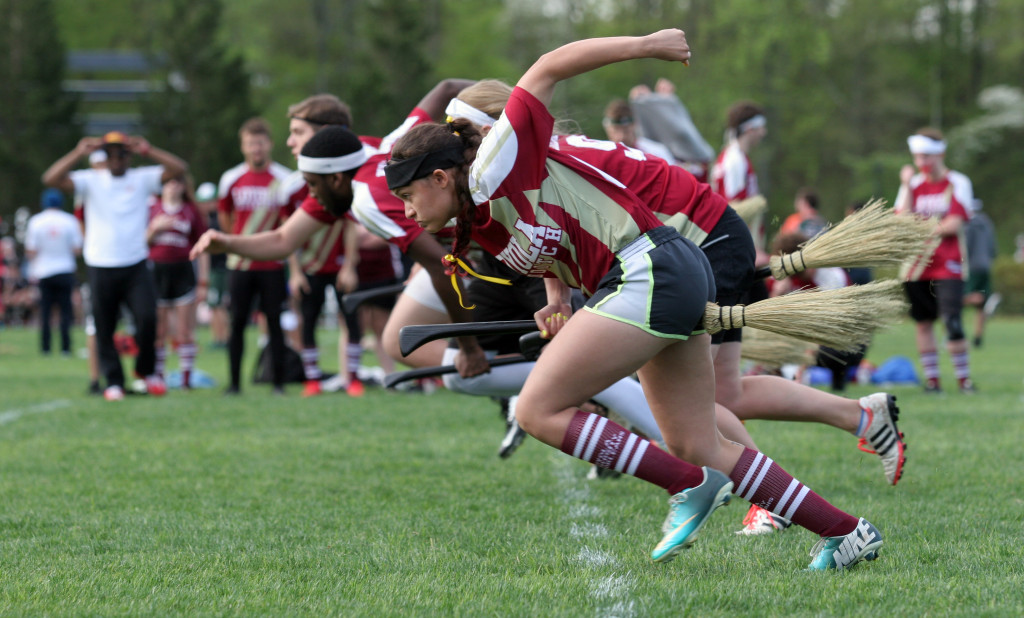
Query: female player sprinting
pixel 701 215
pixel 546 214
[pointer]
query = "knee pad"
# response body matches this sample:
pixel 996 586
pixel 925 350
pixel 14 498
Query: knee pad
pixel 954 327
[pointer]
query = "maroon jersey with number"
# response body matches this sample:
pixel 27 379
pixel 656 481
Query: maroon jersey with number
pixel 549 214
pixel 677 198
pixel 939 199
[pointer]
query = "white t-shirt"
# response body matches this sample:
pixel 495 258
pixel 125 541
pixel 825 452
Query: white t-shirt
pixel 116 214
pixel 55 236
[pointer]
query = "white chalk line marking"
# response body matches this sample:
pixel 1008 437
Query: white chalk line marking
pixel 9 416
pixel 615 591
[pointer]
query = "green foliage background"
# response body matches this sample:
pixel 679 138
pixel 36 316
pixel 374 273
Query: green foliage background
pixel 844 81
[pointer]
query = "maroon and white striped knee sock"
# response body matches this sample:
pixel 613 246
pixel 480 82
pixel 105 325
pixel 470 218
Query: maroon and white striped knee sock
pixel 930 364
pixel 764 483
pixel 961 366
pixel 186 361
pixel 607 444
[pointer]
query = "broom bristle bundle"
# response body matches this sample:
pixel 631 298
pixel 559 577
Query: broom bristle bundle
pixel 750 208
pixel 843 319
pixel 872 236
pixel 775 350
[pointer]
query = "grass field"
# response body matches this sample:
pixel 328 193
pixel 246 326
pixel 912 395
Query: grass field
pixel 396 504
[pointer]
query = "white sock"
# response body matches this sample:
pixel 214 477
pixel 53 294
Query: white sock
pixel 503 381
pixel 626 398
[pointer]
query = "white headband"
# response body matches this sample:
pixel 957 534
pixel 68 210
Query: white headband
pixel 331 165
pixel 755 122
pixel 922 144
pixel 458 108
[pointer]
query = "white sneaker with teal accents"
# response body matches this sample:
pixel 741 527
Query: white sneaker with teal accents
pixel 842 552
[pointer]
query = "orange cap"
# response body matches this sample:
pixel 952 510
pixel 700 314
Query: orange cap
pixel 115 137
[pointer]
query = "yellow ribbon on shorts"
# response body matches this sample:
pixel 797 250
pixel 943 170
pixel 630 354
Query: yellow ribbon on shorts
pixel 451 259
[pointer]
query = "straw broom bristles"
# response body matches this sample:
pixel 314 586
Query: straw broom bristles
pixel 872 236
pixel 750 208
pixel 775 350
pixel 842 319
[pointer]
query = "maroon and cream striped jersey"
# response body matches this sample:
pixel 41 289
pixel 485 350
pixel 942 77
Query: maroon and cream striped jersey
pixel 677 198
pixel 253 199
pixel 549 214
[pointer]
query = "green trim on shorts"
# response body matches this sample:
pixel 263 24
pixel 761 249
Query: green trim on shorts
pixel 622 283
pixel 642 327
pixel 649 305
pixel 650 289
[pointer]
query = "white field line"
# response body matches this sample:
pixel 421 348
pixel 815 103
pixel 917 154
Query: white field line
pixel 9 416
pixel 615 591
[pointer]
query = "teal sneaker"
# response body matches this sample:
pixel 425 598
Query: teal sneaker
pixel 842 552
pixel 688 510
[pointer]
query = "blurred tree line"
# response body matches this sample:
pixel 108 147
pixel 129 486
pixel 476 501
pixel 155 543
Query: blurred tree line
pixel 843 81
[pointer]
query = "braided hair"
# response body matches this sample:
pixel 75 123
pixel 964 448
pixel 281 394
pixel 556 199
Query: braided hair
pixel 459 133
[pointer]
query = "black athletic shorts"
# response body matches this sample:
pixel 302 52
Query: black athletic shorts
pixel 730 250
pixel 660 283
pixel 175 283
pixel 931 299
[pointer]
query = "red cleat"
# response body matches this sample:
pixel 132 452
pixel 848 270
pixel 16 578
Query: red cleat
pixel 311 388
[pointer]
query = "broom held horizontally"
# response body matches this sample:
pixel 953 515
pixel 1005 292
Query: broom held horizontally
pixel 843 319
pixel 872 236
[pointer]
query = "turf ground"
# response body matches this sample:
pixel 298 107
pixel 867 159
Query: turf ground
pixel 396 504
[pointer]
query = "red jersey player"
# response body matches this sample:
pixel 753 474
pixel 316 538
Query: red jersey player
pixel 935 280
pixel 249 204
pixel 546 214
pixel 175 224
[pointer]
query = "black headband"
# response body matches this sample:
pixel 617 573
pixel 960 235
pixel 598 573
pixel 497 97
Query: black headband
pixel 400 173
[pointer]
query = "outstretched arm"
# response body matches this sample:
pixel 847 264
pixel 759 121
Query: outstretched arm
pixel 275 244
pixel 589 54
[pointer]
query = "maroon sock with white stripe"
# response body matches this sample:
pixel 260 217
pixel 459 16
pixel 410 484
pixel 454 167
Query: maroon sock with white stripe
pixel 186 361
pixel 930 364
pixel 607 444
pixel 186 356
pixel 961 366
pixel 762 481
